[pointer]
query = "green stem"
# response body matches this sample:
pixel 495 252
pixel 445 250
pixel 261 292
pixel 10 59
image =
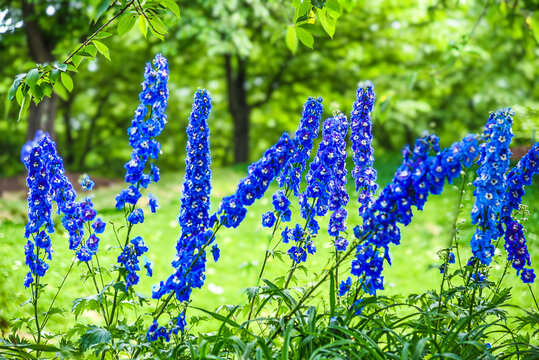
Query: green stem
pixel 105 314
pixel 301 243
pixel 47 316
pixel 533 296
pixel 473 295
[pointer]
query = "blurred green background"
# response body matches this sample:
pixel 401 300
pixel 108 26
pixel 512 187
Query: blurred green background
pixel 438 67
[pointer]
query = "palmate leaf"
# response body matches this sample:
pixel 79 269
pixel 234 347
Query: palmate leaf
pixel 94 336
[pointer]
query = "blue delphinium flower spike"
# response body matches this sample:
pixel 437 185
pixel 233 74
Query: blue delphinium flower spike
pixel 361 135
pixel 491 184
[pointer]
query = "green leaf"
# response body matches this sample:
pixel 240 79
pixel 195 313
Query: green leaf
pixel 47 89
pixel 172 6
pixel 534 25
pixel 126 23
pixel 67 81
pixel 318 3
pixel 37 92
pixel 328 23
pixel 14 88
pixel 76 60
pixel 286 340
pixel 303 10
pixel 143 26
pixel 334 5
pixel 89 49
pixel 102 48
pixel 220 317
pixel 305 37
pixel 62 67
pixel 24 106
pixel 94 336
pixel 102 35
pixel 54 75
pixel 157 26
pixel 291 39
pixel 32 77
pixel 101 8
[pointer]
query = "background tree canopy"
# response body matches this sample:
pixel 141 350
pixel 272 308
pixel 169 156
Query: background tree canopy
pixel 438 66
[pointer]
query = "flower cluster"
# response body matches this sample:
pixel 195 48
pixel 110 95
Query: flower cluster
pixel 361 135
pixel 47 182
pixel 148 123
pixel 517 251
pixel 338 196
pixel 491 185
pixel 326 187
pixel 303 144
pixel 419 175
pixel 232 210
pixel 190 259
pixel 129 258
pixel 515 242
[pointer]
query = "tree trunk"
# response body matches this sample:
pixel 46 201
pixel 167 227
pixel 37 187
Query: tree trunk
pixel 238 107
pixel 40 116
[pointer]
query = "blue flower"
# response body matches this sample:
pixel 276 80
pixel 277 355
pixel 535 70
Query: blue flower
pixel 153 203
pixel 136 216
pixel 99 226
pixel 215 252
pixel 148 265
pixel 268 219
pixel 345 286
pixel 129 258
pixel 86 183
pixel 527 276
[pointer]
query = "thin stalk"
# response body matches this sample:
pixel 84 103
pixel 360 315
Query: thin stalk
pixel 302 242
pixel 47 316
pixel 473 295
pixel 35 302
pixel 266 257
pixel 337 271
pixel 533 296
pixel 446 262
pixel 105 314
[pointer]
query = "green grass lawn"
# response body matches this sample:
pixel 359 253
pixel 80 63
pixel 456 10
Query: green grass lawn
pixel 415 263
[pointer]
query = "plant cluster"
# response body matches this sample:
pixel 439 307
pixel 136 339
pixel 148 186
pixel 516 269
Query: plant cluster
pixel 467 318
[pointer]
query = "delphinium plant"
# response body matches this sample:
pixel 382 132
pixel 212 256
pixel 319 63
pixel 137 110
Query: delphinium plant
pixel 341 311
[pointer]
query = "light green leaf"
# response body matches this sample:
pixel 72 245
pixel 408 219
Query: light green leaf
pixel 534 24
pixel 143 26
pixel 76 60
pixel 32 78
pixel 47 89
pixel 334 5
pixel 172 6
pixel 62 67
pixel 305 37
pixel 102 48
pixel 157 26
pixel 291 39
pixel 67 81
pixel 24 106
pixel 101 8
pixel 60 90
pixel 126 23
pixel 328 23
